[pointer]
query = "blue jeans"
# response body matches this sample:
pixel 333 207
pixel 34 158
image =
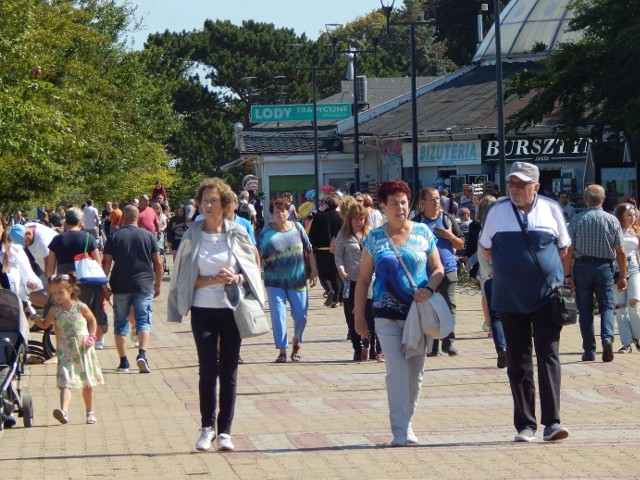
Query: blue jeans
pixel 627 316
pixel 298 301
pixel 142 307
pixel 594 275
pixel 497 329
pixel 403 379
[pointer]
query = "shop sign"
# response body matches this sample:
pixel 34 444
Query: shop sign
pixel 441 154
pixel 536 149
pixel 299 113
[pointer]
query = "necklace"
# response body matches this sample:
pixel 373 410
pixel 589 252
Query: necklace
pixel 67 309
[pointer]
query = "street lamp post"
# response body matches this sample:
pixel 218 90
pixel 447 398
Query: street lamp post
pixel 387 8
pixel 499 94
pixel 314 87
pixel 356 136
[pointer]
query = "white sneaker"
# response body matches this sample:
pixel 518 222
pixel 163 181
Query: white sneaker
pixel 224 443
pixel 412 439
pixel 99 345
pixel 207 435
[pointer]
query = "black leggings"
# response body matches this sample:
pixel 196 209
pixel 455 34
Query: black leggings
pixel 207 325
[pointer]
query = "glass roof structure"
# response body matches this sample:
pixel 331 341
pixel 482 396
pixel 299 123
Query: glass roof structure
pixel 525 24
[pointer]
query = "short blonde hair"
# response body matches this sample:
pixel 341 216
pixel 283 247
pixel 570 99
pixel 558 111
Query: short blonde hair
pixel 227 197
pixel 345 204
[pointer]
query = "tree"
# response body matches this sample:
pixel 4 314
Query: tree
pixel 80 115
pixel 595 81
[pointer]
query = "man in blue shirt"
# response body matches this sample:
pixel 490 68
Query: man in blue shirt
pixel 449 238
pixel 520 294
pixel 596 241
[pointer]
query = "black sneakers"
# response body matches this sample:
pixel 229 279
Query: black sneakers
pixel 124 365
pixel 143 364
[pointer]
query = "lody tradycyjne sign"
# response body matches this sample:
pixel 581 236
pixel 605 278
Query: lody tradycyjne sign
pixel 299 113
pixel 536 149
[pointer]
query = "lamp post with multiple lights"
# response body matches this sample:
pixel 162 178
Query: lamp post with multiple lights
pixel 387 8
pixel 331 31
pixel 314 86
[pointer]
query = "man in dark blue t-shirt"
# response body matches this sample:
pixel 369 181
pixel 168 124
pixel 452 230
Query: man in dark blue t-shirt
pixel 135 281
pixel 519 293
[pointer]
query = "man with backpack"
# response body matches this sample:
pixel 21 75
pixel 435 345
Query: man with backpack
pixel 245 209
pixel 450 239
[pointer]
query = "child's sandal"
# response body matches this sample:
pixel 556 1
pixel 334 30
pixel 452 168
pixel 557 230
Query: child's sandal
pixel 91 418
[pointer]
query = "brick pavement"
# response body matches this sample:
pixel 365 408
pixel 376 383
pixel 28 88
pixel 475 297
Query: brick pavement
pixel 326 417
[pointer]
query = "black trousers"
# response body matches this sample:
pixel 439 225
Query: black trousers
pixel 328 273
pixel 207 325
pixel 447 289
pixel 518 330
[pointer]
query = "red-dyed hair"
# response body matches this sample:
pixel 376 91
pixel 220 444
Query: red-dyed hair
pixel 393 187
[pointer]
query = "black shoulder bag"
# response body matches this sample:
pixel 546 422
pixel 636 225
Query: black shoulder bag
pixel 564 309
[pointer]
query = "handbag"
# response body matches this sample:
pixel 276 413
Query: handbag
pixel 435 316
pixel 89 271
pixel 247 309
pixel 307 262
pixel 564 309
pixel 250 317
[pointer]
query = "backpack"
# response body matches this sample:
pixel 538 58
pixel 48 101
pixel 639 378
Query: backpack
pixel 244 211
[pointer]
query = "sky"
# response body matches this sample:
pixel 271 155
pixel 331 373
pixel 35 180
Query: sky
pixel 304 16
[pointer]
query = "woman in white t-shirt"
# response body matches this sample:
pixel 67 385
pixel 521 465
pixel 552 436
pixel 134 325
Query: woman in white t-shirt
pixel 627 301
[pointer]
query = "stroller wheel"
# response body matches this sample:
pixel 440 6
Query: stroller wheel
pixel 27 411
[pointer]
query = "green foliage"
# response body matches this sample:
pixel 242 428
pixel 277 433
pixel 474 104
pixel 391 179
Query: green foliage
pixel 79 114
pixel 596 80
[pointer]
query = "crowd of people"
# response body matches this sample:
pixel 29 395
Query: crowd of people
pixel 359 255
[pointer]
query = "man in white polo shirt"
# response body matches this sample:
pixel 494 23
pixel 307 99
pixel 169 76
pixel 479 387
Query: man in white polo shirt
pixel 36 238
pixel 520 294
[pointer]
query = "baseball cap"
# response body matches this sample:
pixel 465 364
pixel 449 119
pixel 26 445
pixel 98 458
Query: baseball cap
pixel 527 172
pixel 16 234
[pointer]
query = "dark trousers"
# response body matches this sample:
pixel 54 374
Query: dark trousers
pixel 328 273
pixel 356 340
pixel 518 329
pixel 207 325
pixel 497 330
pixel 447 289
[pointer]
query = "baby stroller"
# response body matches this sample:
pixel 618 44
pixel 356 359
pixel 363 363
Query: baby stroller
pixel 14 335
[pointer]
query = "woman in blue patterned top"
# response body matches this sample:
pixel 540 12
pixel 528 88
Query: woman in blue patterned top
pixel 393 295
pixel 282 245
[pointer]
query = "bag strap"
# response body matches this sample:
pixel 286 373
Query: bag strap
pixel 528 240
pixel 86 245
pixel 299 229
pixel 399 257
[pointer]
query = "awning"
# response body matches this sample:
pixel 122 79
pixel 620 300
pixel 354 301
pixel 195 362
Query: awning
pixel 235 163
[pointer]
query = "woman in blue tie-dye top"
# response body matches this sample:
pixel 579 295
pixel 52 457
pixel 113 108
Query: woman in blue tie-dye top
pixel 282 245
pixel 393 295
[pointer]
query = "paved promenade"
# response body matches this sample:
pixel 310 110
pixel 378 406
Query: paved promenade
pixel 326 417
